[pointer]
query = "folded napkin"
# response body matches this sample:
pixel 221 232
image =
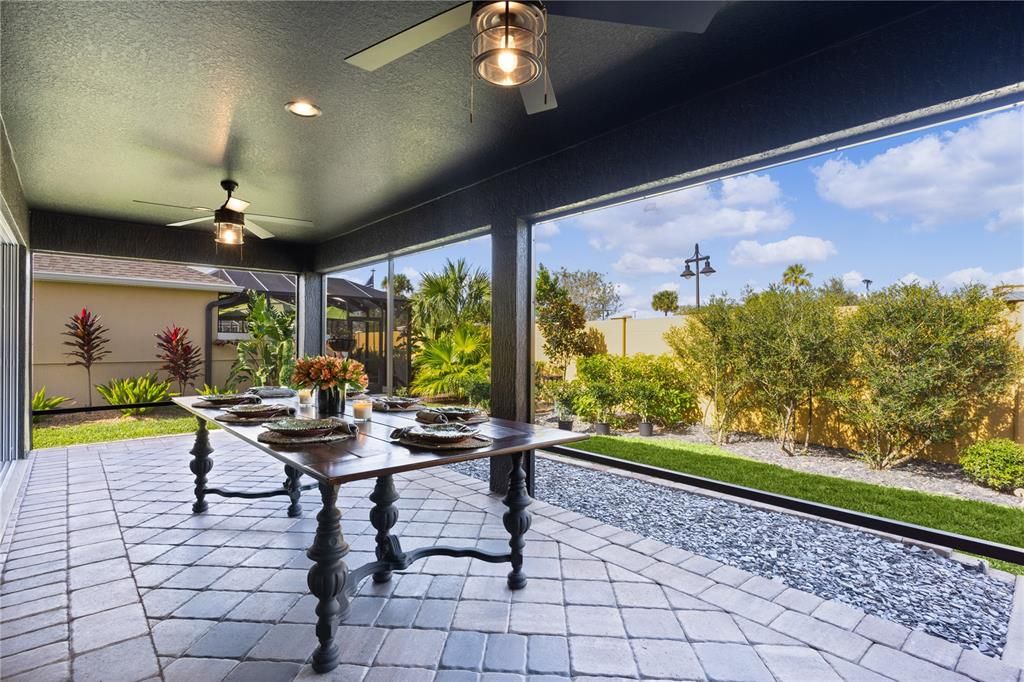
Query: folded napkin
pixel 431 417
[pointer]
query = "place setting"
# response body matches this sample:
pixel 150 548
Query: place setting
pixel 441 436
pixel 394 403
pixel 304 431
pixel 220 400
pixel 254 413
pixel 451 415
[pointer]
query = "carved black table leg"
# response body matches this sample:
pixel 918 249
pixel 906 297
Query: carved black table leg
pixel 200 465
pixel 327 578
pixel 517 520
pixel 383 517
pixel 294 488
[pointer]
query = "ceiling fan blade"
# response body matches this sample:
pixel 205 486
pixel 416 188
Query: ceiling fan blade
pixel 236 204
pixel 298 222
pixel 411 39
pixel 538 96
pixel 693 16
pixel 184 208
pixel 260 232
pixel 190 222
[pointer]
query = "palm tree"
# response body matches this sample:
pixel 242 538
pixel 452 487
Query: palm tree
pixel 448 364
pixel 796 276
pixel 454 296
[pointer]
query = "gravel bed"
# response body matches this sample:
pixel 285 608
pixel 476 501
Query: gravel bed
pixel 901 583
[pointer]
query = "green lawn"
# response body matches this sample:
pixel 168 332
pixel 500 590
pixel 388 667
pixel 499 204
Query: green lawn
pixel 965 517
pixel 63 435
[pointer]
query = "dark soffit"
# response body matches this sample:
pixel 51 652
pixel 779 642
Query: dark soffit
pixel 106 102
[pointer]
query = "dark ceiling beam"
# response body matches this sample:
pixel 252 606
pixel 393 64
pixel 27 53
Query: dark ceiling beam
pixel 88 235
pixel 948 53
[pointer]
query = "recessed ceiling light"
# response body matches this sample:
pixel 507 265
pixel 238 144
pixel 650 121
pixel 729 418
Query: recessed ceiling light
pixel 303 109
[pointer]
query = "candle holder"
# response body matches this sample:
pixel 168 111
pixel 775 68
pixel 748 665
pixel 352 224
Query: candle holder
pixel 362 410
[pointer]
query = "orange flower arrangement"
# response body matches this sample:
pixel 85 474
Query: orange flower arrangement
pixel 324 371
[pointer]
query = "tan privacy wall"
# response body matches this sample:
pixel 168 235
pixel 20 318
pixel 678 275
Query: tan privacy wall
pixel 132 315
pixel 1002 419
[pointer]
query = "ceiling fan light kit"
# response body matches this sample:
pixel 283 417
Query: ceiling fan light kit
pixel 509 41
pixel 228 220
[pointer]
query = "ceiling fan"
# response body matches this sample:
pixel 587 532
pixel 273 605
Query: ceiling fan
pixel 509 38
pixel 230 220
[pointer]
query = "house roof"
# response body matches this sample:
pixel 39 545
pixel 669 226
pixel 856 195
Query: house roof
pixel 123 272
pixel 337 287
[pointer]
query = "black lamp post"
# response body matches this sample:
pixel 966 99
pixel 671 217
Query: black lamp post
pixel 867 284
pixel 696 258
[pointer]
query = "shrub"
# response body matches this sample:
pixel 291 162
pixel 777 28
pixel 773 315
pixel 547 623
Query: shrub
pixel 453 364
pixel 88 341
pixel 40 401
pixel 267 358
pixel 656 389
pixel 600 389
pixel 997 463
pixel 147 388
pixel 180 356
pixel 926 362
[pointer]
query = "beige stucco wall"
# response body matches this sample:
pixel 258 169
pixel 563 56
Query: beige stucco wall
pixel 131 314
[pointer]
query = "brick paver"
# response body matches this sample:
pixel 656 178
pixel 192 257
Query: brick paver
pixel 109 575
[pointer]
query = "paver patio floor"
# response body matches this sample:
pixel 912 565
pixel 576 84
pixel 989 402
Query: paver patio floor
pixel 109 576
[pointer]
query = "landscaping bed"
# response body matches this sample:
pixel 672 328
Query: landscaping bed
pixel 902 583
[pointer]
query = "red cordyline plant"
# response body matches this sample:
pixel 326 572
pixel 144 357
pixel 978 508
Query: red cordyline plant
pixel 179 355
pixel 88 338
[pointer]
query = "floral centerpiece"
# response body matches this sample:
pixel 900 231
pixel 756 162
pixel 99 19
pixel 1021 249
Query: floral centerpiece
pixel 330 376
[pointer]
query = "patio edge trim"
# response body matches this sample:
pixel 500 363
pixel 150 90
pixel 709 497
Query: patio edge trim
pixel 925 534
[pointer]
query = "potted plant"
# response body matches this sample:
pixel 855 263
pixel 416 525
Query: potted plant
pixel 599 379
pixel 565 395
pixel 330 376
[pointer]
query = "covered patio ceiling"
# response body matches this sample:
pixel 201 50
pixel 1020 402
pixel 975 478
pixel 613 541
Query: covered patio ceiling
pixel 106 103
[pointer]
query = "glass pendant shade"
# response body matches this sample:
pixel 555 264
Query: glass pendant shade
pixel 707 269
pixel 229 226
pixel 508 42
pixel 687 273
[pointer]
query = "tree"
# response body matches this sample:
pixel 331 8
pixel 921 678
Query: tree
pixel 88 342
pixel 795 351
pixel 796 276
pixel 707 348
pixel 926 364
pixel 267 357
pixel 835 289
pixel 452 297
pixel 402 284
pixel 562 322
pixel 591 291
pixel 665 302
pixel 179 355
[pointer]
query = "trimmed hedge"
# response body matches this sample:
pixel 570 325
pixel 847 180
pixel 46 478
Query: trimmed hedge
pixel 996 463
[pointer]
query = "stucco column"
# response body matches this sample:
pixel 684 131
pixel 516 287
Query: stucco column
pixel 511 334
pixel 310 298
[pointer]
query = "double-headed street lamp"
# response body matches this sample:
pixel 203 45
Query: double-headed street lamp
pixel 696 258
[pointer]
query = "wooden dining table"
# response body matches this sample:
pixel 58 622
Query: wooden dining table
pixel 370 453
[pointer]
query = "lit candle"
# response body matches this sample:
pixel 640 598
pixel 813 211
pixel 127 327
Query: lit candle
pixel 305 396
pixel 362 410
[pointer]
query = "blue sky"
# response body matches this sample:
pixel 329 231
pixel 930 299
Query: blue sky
pixel 943 204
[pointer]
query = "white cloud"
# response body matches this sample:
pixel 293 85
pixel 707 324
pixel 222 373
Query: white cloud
pixel 623 289
pixel 546 230
pixel 911 278
pixel 975 173
pixel 978 275
pixel 644 265
pixel 412 273
pixel 852 279
pixel 670 224
pixel 667 286
pixel 541 247
pixel 792 250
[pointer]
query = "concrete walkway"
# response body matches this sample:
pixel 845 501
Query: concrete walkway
pixel 108 576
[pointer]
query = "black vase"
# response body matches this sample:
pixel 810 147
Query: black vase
pixel 330 402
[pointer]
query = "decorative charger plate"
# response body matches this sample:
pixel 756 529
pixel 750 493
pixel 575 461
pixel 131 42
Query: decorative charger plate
pixel 263 409
pixel 273 391
pixel 304 427
pixel 439 433
pixel 442 415
pixel 395 404
pixel 221 399
pixel 339 430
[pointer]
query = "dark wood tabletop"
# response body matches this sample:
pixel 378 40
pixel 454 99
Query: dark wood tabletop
pixel 371 453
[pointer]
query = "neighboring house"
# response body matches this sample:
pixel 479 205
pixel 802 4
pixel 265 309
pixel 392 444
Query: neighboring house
pixel 135 300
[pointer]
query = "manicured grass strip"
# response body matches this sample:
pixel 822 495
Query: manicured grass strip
pixel 984 520
pixel 98 432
